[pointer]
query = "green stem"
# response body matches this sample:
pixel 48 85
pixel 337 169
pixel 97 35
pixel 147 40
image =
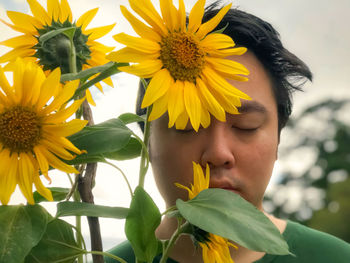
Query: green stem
pixel 123 174
pixel 173 239
pixel 72 57
pixel 107 255
pixel 144 154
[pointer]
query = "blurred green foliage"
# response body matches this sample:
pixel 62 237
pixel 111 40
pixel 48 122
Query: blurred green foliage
pixel 314 187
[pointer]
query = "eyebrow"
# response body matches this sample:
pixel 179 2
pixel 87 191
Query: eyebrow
pixel 252 106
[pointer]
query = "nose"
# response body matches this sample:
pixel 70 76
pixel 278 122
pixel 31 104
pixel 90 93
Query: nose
pixel 218 149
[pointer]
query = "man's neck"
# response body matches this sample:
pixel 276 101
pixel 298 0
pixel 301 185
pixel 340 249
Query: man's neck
pixel 184 250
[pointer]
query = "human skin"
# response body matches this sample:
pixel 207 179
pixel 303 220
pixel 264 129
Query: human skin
pixel 241 152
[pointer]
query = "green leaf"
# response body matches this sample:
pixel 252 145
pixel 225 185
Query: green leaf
pixel 226 214
pixel 113 69
pixel 57 245
pixel 106 137
pixel 58 194
pixel 87 73
pixel 141 222
pixel 86 209
pixel 21 228
pixel 54 33
pixel 130 118
pixel 130 151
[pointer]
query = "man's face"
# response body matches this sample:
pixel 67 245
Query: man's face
pixel 240 152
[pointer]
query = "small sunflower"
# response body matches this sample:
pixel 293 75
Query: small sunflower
pixel 215 249
pixel 187 64
pixel 33 127
pixel 54 53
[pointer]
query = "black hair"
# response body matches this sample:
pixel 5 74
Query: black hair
pixel 287 72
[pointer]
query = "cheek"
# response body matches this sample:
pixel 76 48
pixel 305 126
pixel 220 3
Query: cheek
pixel 258 164
pixel 170 164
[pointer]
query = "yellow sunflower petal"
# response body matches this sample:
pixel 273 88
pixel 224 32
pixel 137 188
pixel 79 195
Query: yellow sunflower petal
pixel 89 98
pixel 98 32
pixel 182 121
pixel 86 18
pixel 228 68
pixel 57 149
pixel 222 53
pixel 146 10
pixel 169 14
pixel 5 86
pixel 182 15
pixel 53 9
pixel 39 12
pixel 176 101
pixel 146 69
pixel 228 103
pixel 27 22
pixel 208 26
pixel 57 163
pixel 158 86
pixel 196 16
pixel 22 41
pixel 140 44
pixel 67 128
pixel 131 55
pixel 140 28
pixel 159 107
pixel 49 87
pixel 66 93
pixel 215 80
pixel 210 102
pixel 41 159
pixel 205 118
pixel 62 115
pixel 8 178
pixel 66 12
pixel 23 51
pixel 30 76
pixel 192 104
pixel 25 177
pixel 42 190
pixel 217 41
pixel 63 142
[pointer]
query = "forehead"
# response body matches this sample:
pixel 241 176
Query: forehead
pixel 259 85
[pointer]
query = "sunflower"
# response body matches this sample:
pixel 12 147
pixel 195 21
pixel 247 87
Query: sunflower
pixel 54 52
pixel 214 248
pixel 33 127
pixel 187 64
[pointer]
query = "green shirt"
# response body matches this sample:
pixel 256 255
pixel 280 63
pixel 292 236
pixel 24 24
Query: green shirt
pixel 308 245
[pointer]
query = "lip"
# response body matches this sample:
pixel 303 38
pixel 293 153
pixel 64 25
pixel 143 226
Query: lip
pixel 226 186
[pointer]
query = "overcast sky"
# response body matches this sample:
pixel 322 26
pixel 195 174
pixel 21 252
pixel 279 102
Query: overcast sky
pixel 315 30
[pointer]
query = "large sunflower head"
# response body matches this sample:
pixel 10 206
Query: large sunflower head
pixel 186 62
pixel 214 248
pixel 54 52
pixel 33 128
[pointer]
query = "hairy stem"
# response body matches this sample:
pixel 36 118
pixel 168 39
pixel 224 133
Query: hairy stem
pixel 85 185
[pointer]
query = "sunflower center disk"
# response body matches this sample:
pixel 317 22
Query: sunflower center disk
pixel 20 129
pixel 182 55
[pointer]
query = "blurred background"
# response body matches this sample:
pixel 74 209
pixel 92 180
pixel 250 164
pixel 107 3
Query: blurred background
pixel 310 182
